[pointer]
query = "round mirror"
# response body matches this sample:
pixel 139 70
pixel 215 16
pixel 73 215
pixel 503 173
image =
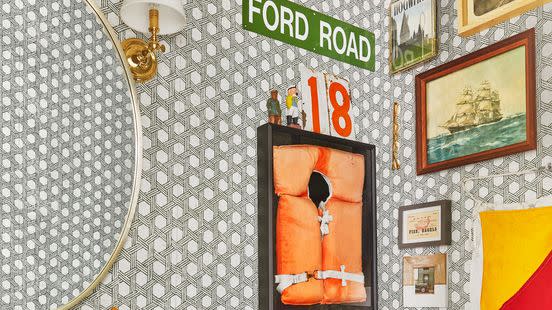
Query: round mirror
pixel 71 151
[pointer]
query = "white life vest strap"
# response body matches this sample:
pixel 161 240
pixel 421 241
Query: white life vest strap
pixel 286 280
pixel 342 275
pixel 324 220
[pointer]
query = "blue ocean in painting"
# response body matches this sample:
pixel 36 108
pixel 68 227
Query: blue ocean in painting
pixel 486 137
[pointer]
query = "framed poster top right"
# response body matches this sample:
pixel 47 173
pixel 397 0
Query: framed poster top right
pixel 477 15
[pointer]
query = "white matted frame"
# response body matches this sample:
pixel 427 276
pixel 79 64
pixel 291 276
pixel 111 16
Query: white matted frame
pixel 439 297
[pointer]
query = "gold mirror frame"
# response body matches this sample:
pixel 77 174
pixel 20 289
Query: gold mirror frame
pixel 137 161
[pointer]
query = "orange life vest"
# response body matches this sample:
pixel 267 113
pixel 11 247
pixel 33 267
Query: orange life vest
pixel 318 248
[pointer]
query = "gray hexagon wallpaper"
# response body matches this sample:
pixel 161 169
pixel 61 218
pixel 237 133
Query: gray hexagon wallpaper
pixel 67 152
pixel 193 241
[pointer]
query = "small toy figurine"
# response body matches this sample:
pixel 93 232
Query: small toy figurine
pixel 292 107
pixel 273 108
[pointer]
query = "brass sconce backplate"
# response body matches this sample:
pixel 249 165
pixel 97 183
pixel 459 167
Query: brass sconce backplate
pixel 141 60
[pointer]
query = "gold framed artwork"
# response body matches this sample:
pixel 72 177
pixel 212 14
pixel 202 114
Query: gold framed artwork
pixel 477 15
pixel 425 281
pixel 413 33
pixel 425 224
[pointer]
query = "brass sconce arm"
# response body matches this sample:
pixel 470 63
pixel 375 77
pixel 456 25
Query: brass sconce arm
pixel 154 43
pixel 141 55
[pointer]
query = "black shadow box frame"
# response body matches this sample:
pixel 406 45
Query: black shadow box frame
pixel 270 135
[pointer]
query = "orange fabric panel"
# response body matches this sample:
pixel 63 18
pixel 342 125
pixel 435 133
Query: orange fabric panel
pixel 299 248
pixel 345 171
pixel 343 246
pixel 293 166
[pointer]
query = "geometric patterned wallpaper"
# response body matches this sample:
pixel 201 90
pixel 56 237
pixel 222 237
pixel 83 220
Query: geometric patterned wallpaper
pixel 67 150
pixel 193 241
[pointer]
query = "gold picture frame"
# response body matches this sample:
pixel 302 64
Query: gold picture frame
pixel 490 13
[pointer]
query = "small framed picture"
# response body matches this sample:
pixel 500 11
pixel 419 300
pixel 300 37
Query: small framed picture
pixel 413 33
pixel 425 281
pixel 426 224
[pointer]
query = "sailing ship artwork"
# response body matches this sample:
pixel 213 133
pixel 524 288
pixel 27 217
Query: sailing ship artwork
pixel 474 109
pixel 482 108
pixel 477 124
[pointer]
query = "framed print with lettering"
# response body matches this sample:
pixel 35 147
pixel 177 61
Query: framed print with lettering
pixel 426 224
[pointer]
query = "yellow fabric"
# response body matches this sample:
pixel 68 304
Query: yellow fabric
pixel 515 243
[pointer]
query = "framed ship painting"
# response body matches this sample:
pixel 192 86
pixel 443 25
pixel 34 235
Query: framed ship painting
pixel 412 33
pixel 477 107
pixel 476 15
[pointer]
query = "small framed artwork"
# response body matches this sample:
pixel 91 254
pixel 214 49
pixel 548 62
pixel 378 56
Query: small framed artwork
pixel 477 15
pixel 426 224
pixel 425 281
pixel 477 107
pixel 412 34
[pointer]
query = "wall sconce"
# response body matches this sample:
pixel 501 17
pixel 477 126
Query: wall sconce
pixel 165 17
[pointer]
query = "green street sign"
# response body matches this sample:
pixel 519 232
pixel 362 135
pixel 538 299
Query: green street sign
pixel 297 25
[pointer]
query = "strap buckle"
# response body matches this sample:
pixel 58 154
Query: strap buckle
pixel 312 275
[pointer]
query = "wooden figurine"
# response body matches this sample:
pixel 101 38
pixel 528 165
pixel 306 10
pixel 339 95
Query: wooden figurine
pixel 273 108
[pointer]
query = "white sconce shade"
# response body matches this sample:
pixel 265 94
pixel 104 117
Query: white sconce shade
pixel 172 17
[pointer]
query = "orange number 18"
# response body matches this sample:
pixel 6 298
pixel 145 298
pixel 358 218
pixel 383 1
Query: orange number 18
pixel 315 105
pixel 340 111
